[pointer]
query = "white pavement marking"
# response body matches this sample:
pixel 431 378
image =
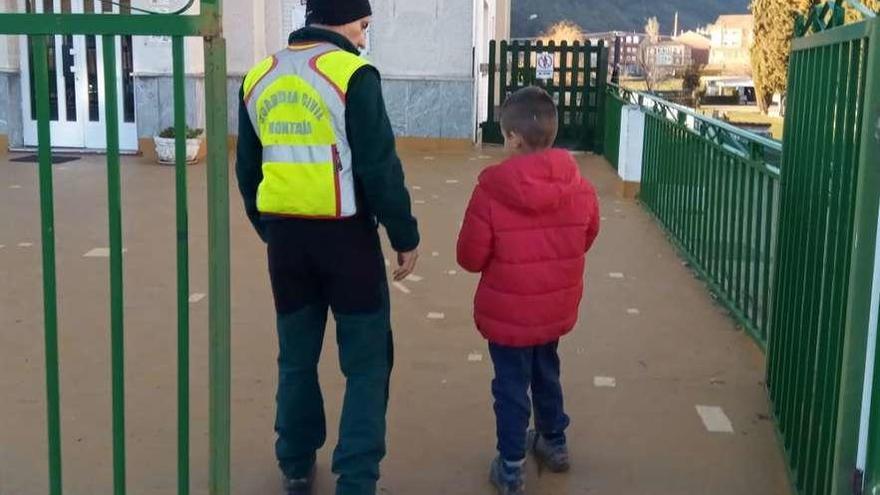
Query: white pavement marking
pixel 402 288
pixel 434 196
pixel 416 188
pixel 452 272
pixel 604 382
pixel 452 181
pixel 420 202
pixel 714 419
pixel 2 246
pixel 604 218
pixel 430 158
pixel 473 159
pixel 436 316
pixel 196 297
pixel 435 254
pixel 414 278
pixel 15 186
pixel 475 357
pixel 102 252
pixel 633 311
pixel 25 244
pixel 616 275
pixel 485 157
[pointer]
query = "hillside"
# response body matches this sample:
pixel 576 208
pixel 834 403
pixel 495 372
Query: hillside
pixel 622 15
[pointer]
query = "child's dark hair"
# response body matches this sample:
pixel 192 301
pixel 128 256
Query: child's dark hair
pixel 531 114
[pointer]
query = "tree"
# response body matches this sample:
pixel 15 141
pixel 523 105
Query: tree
pixel 691 81
pixel 774 30
pixel 647 55
pixel 852 15
pixel 652 29
pixel 563 31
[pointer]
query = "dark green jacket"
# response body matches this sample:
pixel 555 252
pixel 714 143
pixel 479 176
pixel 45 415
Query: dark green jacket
pixel 379 178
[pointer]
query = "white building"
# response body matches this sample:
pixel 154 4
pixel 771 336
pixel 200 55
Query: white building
pixel 732 37
pixel 427 51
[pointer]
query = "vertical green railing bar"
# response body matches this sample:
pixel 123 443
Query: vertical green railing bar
pixel 613 110
pixel 872 469
pixel 218 259
pixel 182 267
pixel 50 299
pixel 114 202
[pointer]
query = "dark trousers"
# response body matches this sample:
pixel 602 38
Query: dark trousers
pixel 318 267
pixel 517 369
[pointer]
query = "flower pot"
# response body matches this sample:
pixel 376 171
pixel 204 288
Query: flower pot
pixel 165 150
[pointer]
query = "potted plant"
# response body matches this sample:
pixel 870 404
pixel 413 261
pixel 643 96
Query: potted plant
pixel 165 145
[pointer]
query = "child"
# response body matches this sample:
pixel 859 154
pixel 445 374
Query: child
pixel 529 224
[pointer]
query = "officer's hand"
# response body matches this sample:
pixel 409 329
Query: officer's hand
pixel 407 264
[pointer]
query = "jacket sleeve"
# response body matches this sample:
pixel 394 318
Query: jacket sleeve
pixel 376 166
pixel 476 237
pixel 594 218
pixel 249 165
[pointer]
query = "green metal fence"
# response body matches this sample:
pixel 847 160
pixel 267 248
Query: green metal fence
pixel 577 85
pixel 207 25
pixel 611 143
pixel 714 188
pixel 828 227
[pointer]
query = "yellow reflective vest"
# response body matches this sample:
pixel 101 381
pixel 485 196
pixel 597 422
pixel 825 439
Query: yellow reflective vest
pixel 296 102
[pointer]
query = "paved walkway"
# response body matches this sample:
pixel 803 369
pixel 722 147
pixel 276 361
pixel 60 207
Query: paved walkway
pixel 648 328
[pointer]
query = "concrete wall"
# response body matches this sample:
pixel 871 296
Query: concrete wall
pixel 423 48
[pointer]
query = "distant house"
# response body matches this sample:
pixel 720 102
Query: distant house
pixel 623 50
pixel 699 44
pixel 732 37
pixel 669 56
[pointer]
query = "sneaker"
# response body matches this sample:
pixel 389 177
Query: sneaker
pixel 507 479
pixel 300 486
pixel 553 456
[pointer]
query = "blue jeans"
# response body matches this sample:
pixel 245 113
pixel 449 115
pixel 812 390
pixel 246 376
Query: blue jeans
pixel 516 370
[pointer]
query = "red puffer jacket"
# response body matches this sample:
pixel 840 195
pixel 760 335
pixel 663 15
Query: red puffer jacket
pixel 527 228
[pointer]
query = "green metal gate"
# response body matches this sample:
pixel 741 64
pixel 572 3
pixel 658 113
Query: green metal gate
pixel 578 86
pixel 822 303
pixel 207 25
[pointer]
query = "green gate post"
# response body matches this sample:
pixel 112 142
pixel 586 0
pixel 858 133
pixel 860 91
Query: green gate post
pixel 853 366
pixel 218 255
pixel 50 291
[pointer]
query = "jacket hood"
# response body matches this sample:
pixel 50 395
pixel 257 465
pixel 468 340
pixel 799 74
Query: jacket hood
pixel 535 182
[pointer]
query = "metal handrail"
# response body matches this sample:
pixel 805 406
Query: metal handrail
pixel 633 97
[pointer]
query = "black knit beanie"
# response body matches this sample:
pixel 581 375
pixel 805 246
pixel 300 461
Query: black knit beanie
pixel 336 12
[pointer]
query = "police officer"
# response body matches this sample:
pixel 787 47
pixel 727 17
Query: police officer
pixel 318 171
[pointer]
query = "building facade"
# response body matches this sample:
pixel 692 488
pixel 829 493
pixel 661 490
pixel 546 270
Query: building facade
pixel 732 38
pixel 700 46
pixel 670 57
pixel 426 50
pixel 623 50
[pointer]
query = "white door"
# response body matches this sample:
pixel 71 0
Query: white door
pixel 76 83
